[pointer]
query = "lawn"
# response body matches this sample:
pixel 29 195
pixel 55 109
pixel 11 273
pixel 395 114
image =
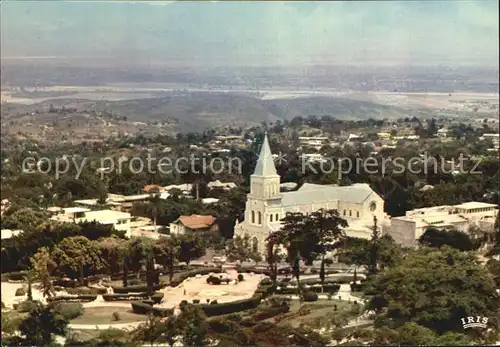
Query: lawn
pixel 318 310
pixel 104 315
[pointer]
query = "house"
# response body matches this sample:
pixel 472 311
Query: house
pixel 408 229
pixel 209 201
pixel 313 158
pixel 185 188
pixel 266 205
pixel 193 223
pixel 118 220
pixel 153 188
pixel 221 185
pixel 8 233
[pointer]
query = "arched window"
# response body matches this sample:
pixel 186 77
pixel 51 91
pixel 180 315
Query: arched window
pixel 271 217
pixel 253 217
pixel 277 218
pixel 344 212
pixel 260 217
pixel 357 214
pixel 350 213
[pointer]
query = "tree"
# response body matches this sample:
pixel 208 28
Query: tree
pixel 152 331
pixel 239 249
pixel 322 273
pixel 374 248
pixel 355 251
pixel 151 277
pixel 437 238
pixel 308 236
pixel 273 256
pixel 166 252
pixel 435 289
pixel 25 219
pixel 43 267
pixel 77 257
pixel 139 250
pixel 192 326
pixel 30 289
pixel 113 250
pixel 41 324
pixel 191 247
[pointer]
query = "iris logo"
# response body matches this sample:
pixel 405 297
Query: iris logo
pixel 475 322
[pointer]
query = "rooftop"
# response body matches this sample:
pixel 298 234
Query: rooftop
pixel 70 210
pixel 309 193
pixel 196 221
pixel 475 204
pixel 265 163
pixel 8 233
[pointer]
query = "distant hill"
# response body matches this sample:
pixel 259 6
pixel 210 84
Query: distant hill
pixel 197 111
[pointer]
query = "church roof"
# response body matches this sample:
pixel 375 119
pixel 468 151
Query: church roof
pixel 310 193
pixel 265 164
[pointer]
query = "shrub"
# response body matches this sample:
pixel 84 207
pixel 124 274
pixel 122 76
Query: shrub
pixel 215 309
pixel 310 296
pixel 3 305
pixel 266 282
pixel 125 297
pixel 162 312
pixel 148 302
pixel 140 307
pixel 214 280
pixel 269 312
pixel 15 276
pixel 240 277
pixel 65 283
pixel 79 298
pixel 180 277
pixel 20 292
pixel 86 291
pixel 26 306
pixel 136 289
pixel 69 310
pixel 357 287
pixel 157 297
pixel 116 316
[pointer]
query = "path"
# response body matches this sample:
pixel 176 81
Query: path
pixel 122 326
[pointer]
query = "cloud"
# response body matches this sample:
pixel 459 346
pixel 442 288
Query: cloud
pixel 259 32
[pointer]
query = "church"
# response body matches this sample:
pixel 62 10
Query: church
pixel 266 205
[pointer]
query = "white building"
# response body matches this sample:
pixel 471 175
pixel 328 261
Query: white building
pixel 408 229
pixel 313 158
pixel 8 233
pixel 221 185
pixel 118 220
pixel 266 205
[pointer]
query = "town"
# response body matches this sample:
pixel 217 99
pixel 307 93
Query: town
pixel 250 174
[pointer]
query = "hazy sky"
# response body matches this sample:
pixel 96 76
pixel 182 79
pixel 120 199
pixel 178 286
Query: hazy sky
pixel 260 33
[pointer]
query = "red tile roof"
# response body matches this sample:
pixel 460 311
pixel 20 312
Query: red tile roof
pixel 196 221
pixel 153 187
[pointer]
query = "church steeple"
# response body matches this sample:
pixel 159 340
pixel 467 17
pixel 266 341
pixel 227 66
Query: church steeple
pixel 265 164
pixel 265 182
